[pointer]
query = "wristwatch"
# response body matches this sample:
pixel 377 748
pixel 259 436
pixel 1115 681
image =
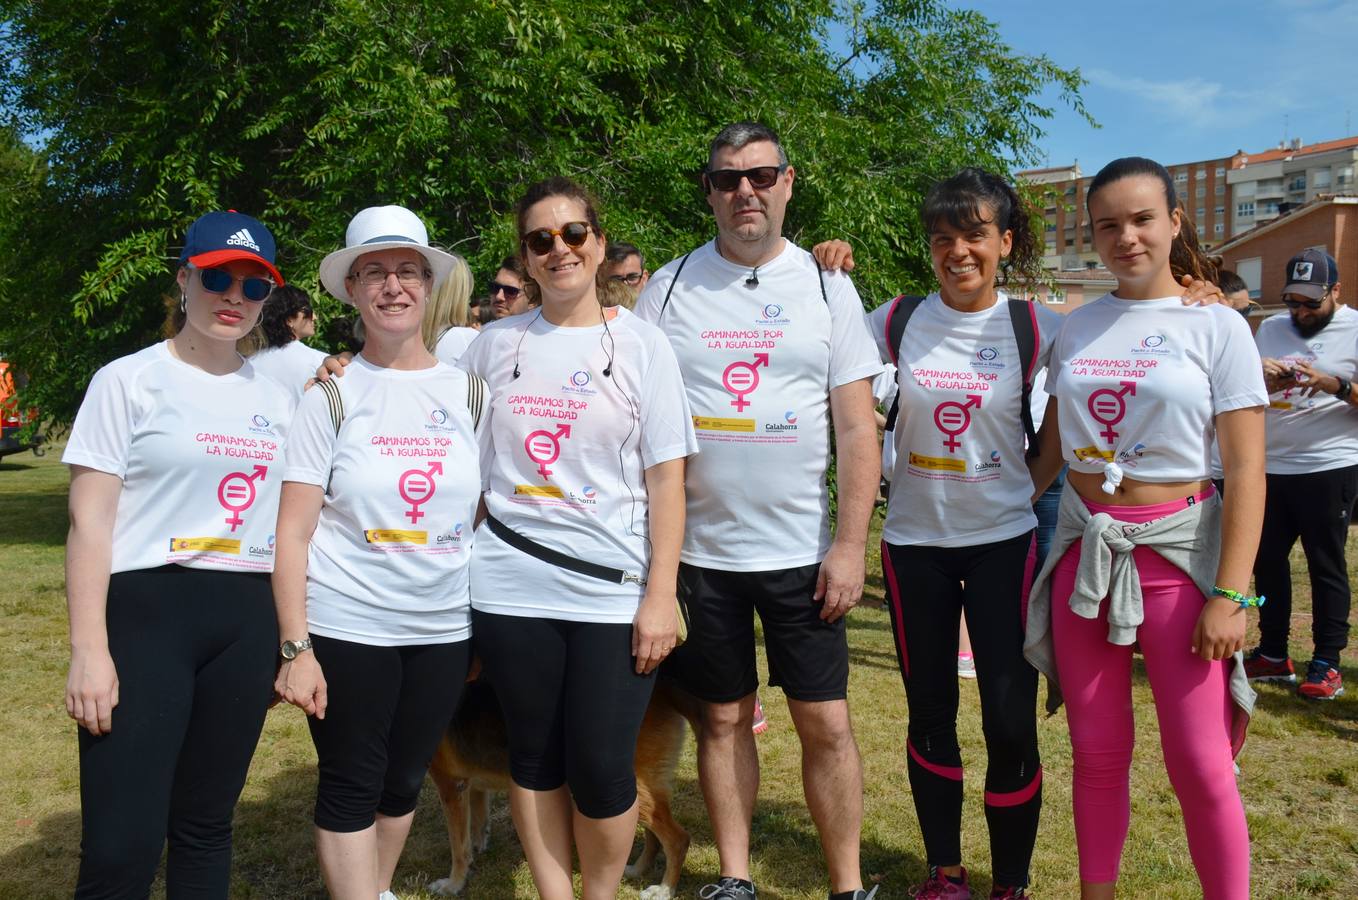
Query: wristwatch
pixel 1344 389
pixel 290 649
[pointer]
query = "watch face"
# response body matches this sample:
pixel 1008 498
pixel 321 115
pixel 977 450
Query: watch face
pixel 289 650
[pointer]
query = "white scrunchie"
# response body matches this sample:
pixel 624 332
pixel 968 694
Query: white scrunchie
pixel 1112 477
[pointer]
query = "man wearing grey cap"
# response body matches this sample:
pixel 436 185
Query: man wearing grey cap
pixel 1310 357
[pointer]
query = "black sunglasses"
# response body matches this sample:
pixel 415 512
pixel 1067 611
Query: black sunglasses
pixel 761 177
pixel 1309 304
pixel 509 291
pixel 252 288
pixel 542 240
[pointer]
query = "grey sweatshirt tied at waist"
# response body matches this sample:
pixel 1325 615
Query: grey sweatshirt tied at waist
pixel 1190 539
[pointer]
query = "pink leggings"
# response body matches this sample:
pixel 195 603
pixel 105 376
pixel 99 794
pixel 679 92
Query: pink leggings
pixel 1192 704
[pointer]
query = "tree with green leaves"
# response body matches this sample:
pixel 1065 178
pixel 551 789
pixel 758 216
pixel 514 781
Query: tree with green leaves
pixel 142 114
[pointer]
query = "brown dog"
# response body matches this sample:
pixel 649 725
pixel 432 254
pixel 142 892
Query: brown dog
pixel 473 760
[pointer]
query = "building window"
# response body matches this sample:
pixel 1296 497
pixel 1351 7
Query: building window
pixel 1057 297
pixel 1269 208
pixel 1219 210
pixel 1051 246
pixel 1202 232
pixel 1200 214
pixel 1221 172
pixel 1219 229
pixel 1202 173
pixel 1181 177
pixel 1051 226
pixel 1297 184
pixel 1201 192
pixel 1221 189
pixel 1321 178
pixel 1244 210
pixel 1346 175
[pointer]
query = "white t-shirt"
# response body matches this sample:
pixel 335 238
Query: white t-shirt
pixel 292 365
pixel 453 343
pixel 200 456
pixel 565 460
pixel 389 557
pixel 759 363
pixel 1139 382
pixel 1311 434
pixel 961 478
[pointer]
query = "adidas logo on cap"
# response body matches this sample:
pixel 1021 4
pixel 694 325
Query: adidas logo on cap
pixel 243 238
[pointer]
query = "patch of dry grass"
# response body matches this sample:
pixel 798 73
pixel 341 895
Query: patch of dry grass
pixel 1300 779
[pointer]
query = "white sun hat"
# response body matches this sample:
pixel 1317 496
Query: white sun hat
pixel 381 228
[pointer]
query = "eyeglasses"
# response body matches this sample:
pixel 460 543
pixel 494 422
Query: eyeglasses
pixel 542 240
pixel 761 177
pixel 1309 304
pixel 510 292
pixel 219 281
pixel 631 278
pixel 409 274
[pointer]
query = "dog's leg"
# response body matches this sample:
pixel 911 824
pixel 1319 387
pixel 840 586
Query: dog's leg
pixel 645 860
pixel 675 840
pixel 479 802
pixel 453 793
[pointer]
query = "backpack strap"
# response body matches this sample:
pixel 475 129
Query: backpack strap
pixel 476 398
pixel 820 275
pixel 1023 316
pixel 673 282
pixel 902 308
pixel 335 400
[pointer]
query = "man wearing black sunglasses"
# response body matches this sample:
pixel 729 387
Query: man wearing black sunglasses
pixel 506 291
pixel 1310 358
pixel 774 353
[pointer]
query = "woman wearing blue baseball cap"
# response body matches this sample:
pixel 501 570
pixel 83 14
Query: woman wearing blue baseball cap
pixel 176 461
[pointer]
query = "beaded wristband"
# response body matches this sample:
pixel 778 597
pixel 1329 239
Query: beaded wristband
pixel 1237 596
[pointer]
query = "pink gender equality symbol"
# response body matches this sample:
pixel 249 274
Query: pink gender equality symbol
pixel 953 418
pixel 544 447
pixel 237 492
pixel 1108 406
pixel 416 487
pixel 741 378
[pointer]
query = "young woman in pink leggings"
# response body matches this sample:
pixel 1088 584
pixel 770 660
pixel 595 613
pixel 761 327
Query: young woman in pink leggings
pixel 1145 551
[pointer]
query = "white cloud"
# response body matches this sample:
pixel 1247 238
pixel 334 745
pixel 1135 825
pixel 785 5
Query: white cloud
pixel 1200 101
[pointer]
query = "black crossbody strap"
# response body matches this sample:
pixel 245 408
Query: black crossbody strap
pixel 673 282
pixel 556 557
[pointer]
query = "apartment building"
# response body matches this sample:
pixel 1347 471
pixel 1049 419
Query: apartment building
pixel 1260 256
pixel 1264 185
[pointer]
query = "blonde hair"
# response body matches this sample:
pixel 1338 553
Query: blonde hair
pixel 448 304
pixel 615 293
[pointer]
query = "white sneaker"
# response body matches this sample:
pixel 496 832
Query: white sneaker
pixel 387 895
pixel 966 665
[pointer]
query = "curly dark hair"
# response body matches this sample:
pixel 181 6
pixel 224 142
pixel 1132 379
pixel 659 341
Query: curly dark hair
pixel 283 303
pixel 976 197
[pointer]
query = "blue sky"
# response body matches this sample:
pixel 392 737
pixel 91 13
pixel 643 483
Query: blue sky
pixel 1193 79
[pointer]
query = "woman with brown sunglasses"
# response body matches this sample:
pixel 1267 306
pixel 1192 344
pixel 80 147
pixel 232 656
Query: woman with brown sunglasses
pixel 574 572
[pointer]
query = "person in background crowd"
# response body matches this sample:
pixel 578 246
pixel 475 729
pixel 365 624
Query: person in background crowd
pixel 287 321
pixel 626 265
pixel 372 576
pixel 1236 291
pixel 445 334
pixel 167 577
pixel 575 573
pixel 1145 551
pixel 1310 359
pixel 764 414
pixel 474 312
pixel 506 292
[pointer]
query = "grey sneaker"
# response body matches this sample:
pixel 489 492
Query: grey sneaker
pixel 727 888
pixel 862 894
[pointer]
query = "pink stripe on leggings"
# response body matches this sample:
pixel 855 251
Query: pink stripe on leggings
pixel 1193 706
pixel 1015 798
pixel 894 598
pixel 951 772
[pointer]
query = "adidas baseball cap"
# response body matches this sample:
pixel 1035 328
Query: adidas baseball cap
pixel 1311 273
pixel 381 228
pixel 222 237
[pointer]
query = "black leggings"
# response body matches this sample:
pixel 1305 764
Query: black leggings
pixel 194 651
pixel 928 588
pixel 388 709
pixel 573 704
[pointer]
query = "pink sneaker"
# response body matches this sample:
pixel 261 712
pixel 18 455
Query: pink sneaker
pixel 940 887
pixel 761 724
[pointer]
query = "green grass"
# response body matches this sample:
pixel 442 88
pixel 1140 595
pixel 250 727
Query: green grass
pixel 1300 780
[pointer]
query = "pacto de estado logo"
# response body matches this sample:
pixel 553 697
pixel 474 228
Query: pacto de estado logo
pixel 1108 406
pixel 741 378
pixel 954 418
pixel 237 492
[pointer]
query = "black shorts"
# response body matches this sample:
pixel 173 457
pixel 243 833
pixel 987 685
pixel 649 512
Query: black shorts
pixel 808 658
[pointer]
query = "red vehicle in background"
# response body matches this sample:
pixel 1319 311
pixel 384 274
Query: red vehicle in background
pixel 12 418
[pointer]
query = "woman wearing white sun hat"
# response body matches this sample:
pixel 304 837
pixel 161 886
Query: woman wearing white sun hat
pixel 374 529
